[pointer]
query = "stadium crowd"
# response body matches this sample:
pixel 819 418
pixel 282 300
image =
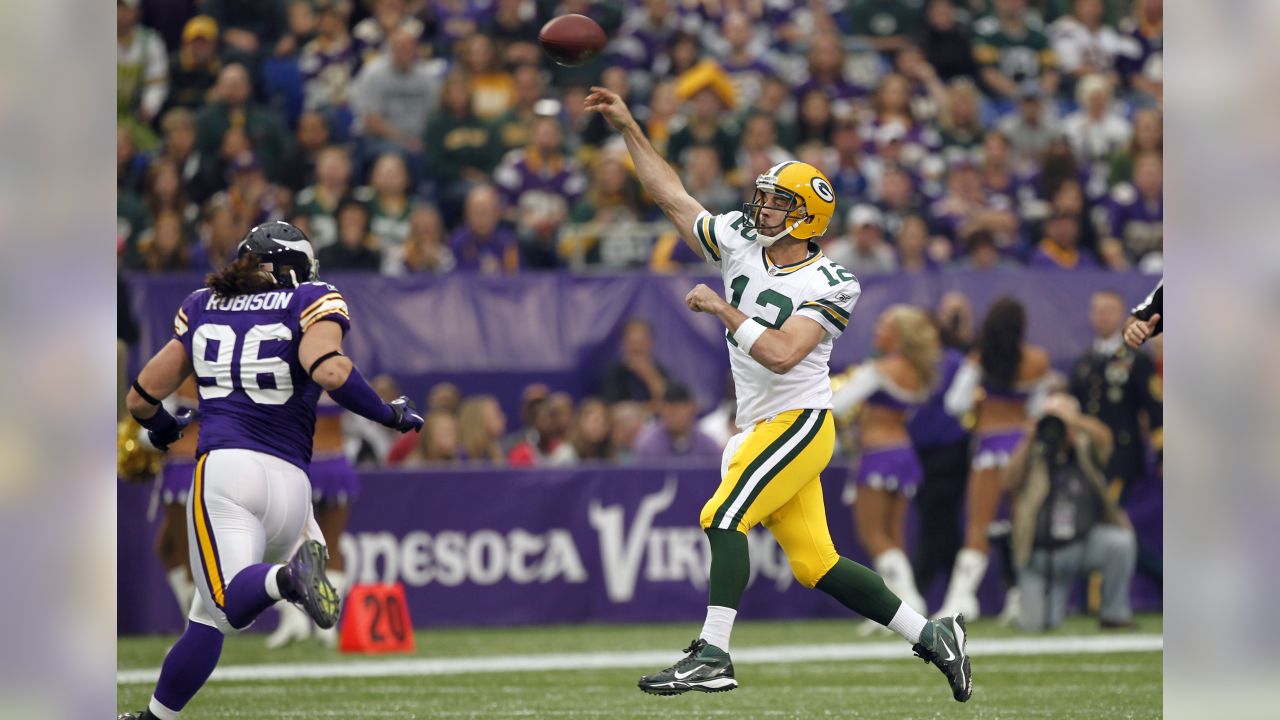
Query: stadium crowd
pixel 413 136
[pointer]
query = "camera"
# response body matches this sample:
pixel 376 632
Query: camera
pixel 1051 433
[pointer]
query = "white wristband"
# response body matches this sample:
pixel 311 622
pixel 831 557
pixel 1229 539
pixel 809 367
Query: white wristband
pixel 747 334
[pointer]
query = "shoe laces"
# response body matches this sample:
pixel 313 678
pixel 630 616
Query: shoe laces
pixel 692 652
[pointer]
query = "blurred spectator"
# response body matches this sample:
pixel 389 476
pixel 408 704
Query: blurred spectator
pixel 540 168
pixel 387 198
pixel 461 148
pixel 980 252
pixel 816 122
pixel 1142 63
pixel 960 118
pixel 251 28
pixel 492 88
pixel 1135 217
pixel 301 25
pixel 709 94
pixel 898 198
pixel 636 375
pixel 705 180
pixel 1070 199
pixel 886 25
pixel 437 443
pixel 645 32
pixel 1096 131
pixel 590 437
pixel 514 125
pixel 319 202
pixel 964 209
pixel 393 97
pixel 849 174
pixel 1030 128
pixel 627 419
pixel 131 166
pixel 744 58
pixel 1003 187
pixel 164 247
pixel 165 192
pixel 1009 50
pixel 1064 524
pixel 1060 247
pixel 230 107
pixel 530 398
pixel 925 89
pixel 219 238
pixel 946 42
pixel 444 398
pixel 758 146
pixel 777 101
pixel 253 199
pixel 329 60
pixel 142 74
pixel 1058 165
pixel 385 17
pixel 826 71
pixel 426 250
pixel 1148 137
pixel 662 117
pixel 481 243
pixel 559 426
pixel 604 231
pixel 540 442
pixel 866 253
pixel 194 68
pixel 481 427
pixel 675 433
pixel 512 24
pixel 299 166
pixel 1085 44
pixel 912 243
pixel 592 130
pixel 198 173
pixel 354 250
pixel 1118 386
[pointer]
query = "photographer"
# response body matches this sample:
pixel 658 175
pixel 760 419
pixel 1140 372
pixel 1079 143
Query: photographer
pixel 1064 525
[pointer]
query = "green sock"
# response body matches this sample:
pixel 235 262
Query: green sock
pixel 860 590
pixel 730 566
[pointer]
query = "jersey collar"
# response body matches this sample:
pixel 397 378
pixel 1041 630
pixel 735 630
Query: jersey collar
pixel 815 254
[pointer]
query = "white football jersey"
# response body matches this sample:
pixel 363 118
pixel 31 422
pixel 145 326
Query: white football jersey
pixel 815 287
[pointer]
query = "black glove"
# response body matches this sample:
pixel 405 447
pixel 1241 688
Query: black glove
pixel 406 417
pixel 165 436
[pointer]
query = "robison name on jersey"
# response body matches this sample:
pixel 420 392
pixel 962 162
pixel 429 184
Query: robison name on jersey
pixel 815 287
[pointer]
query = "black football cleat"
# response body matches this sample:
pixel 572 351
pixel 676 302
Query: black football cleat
pixel 943 644
pixel 308 587
pixel 706 668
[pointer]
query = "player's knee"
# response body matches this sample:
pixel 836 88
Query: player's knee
pixel 810 567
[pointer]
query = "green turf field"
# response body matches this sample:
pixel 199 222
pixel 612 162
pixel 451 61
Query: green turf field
pixel 787 670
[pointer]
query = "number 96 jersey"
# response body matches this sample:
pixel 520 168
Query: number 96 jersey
pixel 815 288
pixel 254 392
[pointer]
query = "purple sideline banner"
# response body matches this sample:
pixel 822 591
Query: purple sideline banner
pixel 514 547
pixel 497 334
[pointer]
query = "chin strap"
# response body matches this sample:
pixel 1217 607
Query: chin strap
pixel 767 240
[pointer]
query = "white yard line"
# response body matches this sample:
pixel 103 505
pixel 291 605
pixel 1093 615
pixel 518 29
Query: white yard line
pixel 403 667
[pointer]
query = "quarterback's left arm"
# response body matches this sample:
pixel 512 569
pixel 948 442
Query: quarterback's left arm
pixel 778 350
pixel 159 379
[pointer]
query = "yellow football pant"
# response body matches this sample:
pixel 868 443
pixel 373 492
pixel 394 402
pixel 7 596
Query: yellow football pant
pixel 772 477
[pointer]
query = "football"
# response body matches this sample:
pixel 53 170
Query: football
pixel 571 39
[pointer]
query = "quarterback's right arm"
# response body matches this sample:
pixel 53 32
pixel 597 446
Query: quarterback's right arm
pixel 320 352
pixel 657 177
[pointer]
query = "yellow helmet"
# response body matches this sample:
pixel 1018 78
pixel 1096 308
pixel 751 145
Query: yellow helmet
pixel 812 202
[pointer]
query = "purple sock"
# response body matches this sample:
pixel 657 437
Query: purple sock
pixel 247 596
pixel 188 665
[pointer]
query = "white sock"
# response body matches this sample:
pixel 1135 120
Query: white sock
pixel 718 626
pixel 161 711
pixel 273 588
pixel 908 623
pixel 183 589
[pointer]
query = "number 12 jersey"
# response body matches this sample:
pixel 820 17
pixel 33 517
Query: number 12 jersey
pixel 769 294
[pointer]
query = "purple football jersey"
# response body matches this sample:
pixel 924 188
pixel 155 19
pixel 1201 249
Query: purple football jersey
pixel 254 392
